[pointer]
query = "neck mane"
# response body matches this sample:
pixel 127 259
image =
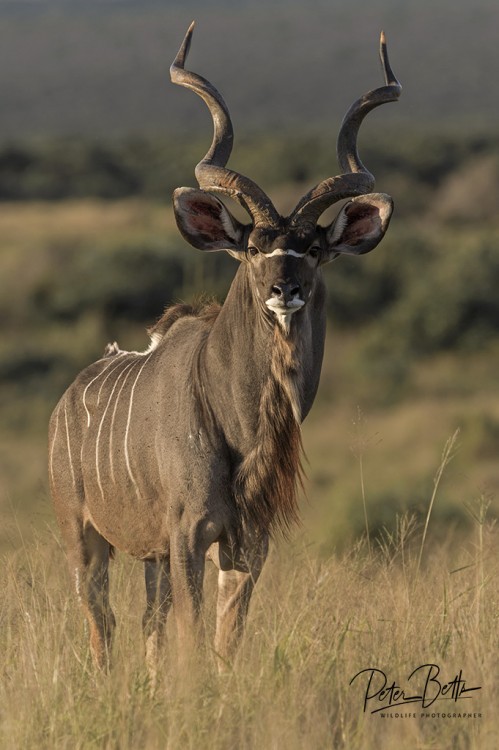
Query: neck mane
pixel 256 384
pixel 267 480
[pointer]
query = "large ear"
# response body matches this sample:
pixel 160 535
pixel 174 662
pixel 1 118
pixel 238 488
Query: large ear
pixel 359 226
pixel 205 222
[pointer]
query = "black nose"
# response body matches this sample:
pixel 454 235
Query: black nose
pixel 285 292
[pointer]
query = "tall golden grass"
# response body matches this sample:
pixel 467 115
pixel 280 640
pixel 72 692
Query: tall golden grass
pixel 314 623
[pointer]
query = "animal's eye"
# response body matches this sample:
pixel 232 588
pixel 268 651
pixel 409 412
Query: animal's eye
pixel 314 251
pixel 253 251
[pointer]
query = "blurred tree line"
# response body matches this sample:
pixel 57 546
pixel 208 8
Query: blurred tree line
pixel 431 285
pixel 413 162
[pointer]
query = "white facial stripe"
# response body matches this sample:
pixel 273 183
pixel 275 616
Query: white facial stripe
pixel 280 251
pixel 284 313
pixel 292 306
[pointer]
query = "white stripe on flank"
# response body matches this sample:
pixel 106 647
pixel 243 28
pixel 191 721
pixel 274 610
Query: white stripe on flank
pixel 69 446
pixel 53 443
pixel 108 376
pixel 88 386
pixel 111 427
pixel 128 367
pixel 127 457
pixel 280 251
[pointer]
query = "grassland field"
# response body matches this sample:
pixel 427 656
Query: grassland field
pixel 330 603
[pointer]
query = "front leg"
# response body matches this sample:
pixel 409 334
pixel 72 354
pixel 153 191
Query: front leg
pixel 234 594
pixel 187 564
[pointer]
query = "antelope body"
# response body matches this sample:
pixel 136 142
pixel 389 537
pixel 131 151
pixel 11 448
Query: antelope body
pixel 192 448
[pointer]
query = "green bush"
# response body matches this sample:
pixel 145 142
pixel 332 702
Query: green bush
pixel 131 282
pixel 450 299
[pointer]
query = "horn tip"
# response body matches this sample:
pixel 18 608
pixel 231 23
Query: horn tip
pixel 181 56
pixel 390 78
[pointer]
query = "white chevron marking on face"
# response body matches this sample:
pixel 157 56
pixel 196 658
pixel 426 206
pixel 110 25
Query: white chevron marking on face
pixel 280 251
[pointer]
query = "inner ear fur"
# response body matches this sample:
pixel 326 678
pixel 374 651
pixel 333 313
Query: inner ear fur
pixel 360 225
pixel 206 223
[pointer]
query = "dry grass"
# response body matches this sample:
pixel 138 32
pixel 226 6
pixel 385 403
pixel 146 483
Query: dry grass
pixel 386 455
pixel 317 618
pixel 313 625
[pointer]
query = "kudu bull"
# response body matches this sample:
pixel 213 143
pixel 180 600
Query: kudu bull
pixel 191 449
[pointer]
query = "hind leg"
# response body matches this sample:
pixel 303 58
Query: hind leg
pixel 159 599
pixel 88 556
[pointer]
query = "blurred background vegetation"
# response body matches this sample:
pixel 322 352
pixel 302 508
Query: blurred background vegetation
pixel 92 142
